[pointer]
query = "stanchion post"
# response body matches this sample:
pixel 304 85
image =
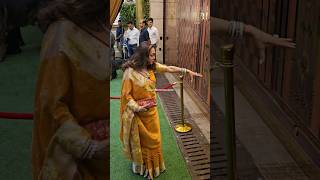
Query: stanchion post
pixel 227 63
pixel 182 99
pixel 183 127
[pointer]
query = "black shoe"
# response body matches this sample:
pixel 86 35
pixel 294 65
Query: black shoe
pixel 114 75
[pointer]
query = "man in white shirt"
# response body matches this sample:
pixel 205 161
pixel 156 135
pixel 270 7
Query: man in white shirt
pixel 132 36
pixel 153 32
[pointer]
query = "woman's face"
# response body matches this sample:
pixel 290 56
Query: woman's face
pixel 152 56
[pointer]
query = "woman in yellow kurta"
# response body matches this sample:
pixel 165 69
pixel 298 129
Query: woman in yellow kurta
pixel 140 128
pixel 70 134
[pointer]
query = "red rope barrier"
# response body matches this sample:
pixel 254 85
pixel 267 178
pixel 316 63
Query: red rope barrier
pixel 170 85
pixel 9 115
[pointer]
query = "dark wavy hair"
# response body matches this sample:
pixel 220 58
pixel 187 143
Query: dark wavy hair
pixel 89 13
pixel 139 59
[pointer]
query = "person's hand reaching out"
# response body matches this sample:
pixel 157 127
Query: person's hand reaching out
pixel 263 39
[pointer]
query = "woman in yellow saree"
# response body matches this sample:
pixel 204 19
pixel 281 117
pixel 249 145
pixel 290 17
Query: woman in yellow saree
pixel 70 134
pixel 140 128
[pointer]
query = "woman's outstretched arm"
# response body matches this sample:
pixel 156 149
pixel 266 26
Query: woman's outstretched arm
pixel 237 29
pixel 219 25
pixel 175 69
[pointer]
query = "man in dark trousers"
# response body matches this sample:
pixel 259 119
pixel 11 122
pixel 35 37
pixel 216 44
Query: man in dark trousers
pixel 119 38
pixel 144 34
pixel 132 36
pixel 113 58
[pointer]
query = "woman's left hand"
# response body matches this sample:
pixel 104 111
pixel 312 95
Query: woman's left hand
pixel 192 74
pixel 263 39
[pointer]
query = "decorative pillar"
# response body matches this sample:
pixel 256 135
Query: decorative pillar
pixel 139 11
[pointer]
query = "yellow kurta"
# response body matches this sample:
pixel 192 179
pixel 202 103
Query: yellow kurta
pixel 72 90
pixel 140 131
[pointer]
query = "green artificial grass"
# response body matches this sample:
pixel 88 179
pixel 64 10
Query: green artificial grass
pixel 121 167
pixel 17 82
